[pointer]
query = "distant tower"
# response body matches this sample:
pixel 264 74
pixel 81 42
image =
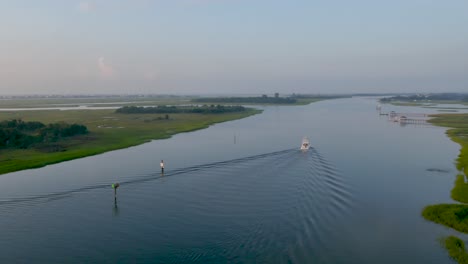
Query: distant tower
pixel 276 95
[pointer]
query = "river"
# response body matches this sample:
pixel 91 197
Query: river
pixel 242 192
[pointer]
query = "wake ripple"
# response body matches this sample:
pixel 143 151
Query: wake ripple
pixel 149 177
pixel 285 206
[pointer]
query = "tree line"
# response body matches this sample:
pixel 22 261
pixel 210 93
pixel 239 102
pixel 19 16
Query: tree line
pixel 19 134
pixel 255 100
pixel 162 109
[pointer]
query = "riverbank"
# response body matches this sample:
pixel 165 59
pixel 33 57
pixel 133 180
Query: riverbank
pixel 107 131
pixel 454 215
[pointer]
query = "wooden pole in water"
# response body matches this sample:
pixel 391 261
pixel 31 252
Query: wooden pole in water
pixel 115 186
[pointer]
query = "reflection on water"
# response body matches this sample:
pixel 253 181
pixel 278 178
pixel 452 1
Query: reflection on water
pixel 115 209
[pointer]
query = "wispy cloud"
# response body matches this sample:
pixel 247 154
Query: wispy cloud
pixel 105 70
pixel 85 7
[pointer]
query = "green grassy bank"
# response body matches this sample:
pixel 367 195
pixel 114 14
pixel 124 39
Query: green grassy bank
pixel 454 215
pixel 107 131
pixel 460 190
pixel 456 249
pixel 458 133
pixel 451 215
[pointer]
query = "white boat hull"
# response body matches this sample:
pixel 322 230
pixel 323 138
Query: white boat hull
pixel 305 144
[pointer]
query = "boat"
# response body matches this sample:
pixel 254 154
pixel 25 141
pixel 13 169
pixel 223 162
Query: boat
pixel 305 144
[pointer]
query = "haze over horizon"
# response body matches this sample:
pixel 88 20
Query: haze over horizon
pixel 233 46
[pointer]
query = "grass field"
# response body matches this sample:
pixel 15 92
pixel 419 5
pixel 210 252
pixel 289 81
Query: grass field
pixel 122 101
pixel 108 131
pixel 93 101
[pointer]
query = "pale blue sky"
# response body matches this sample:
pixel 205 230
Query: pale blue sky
pixel 233 46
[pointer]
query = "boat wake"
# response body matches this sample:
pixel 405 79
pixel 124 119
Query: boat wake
pixel 138 179
pixel 286 206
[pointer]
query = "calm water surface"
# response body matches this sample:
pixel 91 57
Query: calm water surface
pixel 242 192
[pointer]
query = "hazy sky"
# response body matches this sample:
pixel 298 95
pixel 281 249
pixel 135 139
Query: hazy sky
pixel 233 46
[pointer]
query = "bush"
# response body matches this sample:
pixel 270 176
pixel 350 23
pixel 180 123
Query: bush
pixel 18 134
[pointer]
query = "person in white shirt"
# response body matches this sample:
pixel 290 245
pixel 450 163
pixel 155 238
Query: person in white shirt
pixel 162 166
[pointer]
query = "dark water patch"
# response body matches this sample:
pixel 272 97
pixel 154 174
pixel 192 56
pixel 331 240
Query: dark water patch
pixel 438 170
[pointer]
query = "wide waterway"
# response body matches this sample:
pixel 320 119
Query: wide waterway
pixel 242 192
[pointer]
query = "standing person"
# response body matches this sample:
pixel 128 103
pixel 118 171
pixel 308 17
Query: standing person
pixel 162 166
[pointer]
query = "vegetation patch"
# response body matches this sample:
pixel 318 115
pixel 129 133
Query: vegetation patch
pixel 451 215
pixel 460 191
pixel 458 133
pixel 456 248
pixel 16 133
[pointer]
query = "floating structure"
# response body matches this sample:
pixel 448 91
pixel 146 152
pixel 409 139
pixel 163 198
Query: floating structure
pixel 408 118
